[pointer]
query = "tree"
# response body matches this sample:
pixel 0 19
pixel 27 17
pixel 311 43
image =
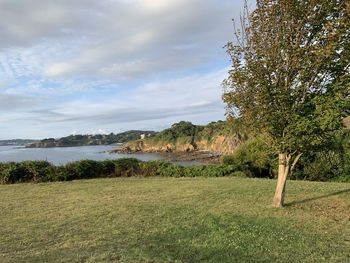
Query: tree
pixel 290 75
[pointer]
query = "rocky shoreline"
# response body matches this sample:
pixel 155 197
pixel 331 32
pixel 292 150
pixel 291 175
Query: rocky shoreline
pixel 202 156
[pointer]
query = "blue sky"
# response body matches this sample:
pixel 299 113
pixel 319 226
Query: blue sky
pixel 88 66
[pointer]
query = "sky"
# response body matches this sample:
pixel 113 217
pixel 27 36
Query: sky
pixel 88 66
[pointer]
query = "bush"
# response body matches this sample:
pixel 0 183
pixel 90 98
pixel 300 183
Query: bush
pixel 170 170
pixel 323 166
pixel 209 170
pixel 107 168
pixel 42 171
pixel 254 157
pixel 126 167
pixel 37 171
pixel 84 169
pixel 10 173
pixel 152 168
pixel 27 171
pixel 249 160
pixel 332 164
pixel 239 174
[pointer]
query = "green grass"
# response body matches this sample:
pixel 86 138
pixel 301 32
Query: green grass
pixel 174 220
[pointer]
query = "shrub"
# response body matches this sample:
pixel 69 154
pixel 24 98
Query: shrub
pixel 170 170
pixel 322 166
pixel 239 174
pixel 254 157
pixel 107 168
pixel 332 164
pixel 27 171
pixel 127 167
pixel 209 170
pixel 10 173
pixel 84 169
pixel 153 168
pixel 36 171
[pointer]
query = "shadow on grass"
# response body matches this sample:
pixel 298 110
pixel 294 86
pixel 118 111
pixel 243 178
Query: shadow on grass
pixel 225 239
pixel 317 197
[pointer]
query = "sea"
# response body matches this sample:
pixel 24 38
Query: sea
pixel 63 155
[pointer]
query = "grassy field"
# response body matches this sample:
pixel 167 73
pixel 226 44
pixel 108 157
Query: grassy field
pixel 174 220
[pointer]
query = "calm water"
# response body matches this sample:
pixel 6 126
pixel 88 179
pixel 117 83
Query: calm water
pixel 62 155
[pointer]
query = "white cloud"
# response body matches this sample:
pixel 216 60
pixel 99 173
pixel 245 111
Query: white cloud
pixel 112 33
pixel 94 64
pixel 58 69
pixel 155 100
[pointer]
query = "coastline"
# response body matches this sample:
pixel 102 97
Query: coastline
pixel 202 156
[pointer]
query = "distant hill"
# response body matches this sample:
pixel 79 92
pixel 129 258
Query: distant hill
pixel 98 139
pixel 16 142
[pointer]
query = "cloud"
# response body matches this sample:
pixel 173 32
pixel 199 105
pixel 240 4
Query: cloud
pixel 15 102
pixel 152 105
pixel 70 65
pixel 58 69
pixel 191 95
pixel 165 35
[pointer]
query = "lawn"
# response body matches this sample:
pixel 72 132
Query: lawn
pixel 174 220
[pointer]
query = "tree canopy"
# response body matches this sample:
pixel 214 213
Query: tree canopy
pixel 290 75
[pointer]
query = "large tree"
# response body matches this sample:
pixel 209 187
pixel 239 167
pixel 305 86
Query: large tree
pixel 290 75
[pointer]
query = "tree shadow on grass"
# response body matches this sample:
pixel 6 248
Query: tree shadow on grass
pixel 317 197
pixel 223 239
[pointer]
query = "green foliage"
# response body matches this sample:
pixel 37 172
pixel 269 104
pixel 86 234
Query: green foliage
pixel 187 133
pixel 214 129
pixel 332 164
pixel 42 171
pixel 155 168
pixel 210 170
pixel 322 166
pixel 171 170
pixel 289 75
pixel 84 169
pixel 10 173
pixel 182 133
pixel 107 168
pixel 255 157
pixel 27 171
pixel 126 167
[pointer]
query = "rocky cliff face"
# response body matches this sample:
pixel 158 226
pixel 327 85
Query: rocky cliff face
pixel 220 144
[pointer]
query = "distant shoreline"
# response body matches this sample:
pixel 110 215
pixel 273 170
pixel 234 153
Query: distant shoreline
pixel 67 146
pixel 202 156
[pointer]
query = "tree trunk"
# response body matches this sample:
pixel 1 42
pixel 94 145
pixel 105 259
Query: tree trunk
pixel 283 171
